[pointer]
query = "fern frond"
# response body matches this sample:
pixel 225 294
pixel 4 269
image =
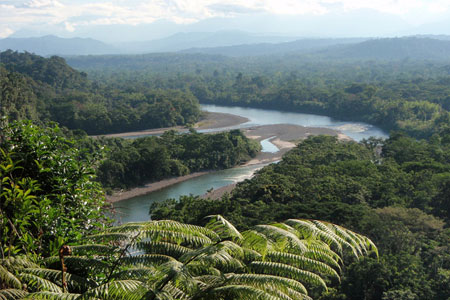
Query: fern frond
pixel 261 280
pixel 121 289
pixel 302 262
pixel 309 229
pixel 170 225
pixel 162 248
pixel 36 283
pixel 12 294
pixel 146 259
pixel 179 238
pixel 175 273
pixel 74 282
pixel 323 256
pixel 75 264
pixel 52 296
pixel 106 237
pixel 223 228
pixel 92 249
pixel 239 292
pixel 282 238
pixel 288 271
pixel 135 273
pixel 16 263
pixel 9 279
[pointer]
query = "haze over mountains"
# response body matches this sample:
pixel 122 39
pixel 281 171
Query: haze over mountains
pixel 241 44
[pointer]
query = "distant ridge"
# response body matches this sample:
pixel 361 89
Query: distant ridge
pixel 297 46
pixel 53 45
pixel 187 40
pixel 392 49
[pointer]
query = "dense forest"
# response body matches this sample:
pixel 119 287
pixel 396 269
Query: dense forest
pixel 406 95
pixel 394 192
pixel 47 89
pixel 131 163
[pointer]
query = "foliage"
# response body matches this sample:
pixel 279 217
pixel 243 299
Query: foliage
pixel 40 88
pixel 131 163
pixel 180 261
pixel 408 95
pixel 48 193
pixel 386 190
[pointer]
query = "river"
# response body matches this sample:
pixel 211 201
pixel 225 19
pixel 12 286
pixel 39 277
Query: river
pixel 137 209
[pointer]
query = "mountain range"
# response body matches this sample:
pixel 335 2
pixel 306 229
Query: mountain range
pixel 241 44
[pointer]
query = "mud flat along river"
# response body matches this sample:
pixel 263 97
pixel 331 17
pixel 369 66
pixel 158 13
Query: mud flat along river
pixel 277 131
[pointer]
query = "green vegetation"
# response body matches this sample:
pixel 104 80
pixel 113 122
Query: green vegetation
pixel 48 194
pixel 131 163
pixel 406 95
pixel 296 259
pixel 41 89
pixel 392 191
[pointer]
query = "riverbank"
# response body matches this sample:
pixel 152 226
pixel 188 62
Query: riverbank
pixel 285 137
pixel 211 120
pixel 150 187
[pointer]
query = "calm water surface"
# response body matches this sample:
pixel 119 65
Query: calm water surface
pixel 137 209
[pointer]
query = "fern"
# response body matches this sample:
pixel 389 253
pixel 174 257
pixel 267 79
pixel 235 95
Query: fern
pixel 12 294
pixel 52 296
pixel 74 282
pixel 288 271
pixel 123 289
pixel 162 248
pixel 8 279
pixel 37 283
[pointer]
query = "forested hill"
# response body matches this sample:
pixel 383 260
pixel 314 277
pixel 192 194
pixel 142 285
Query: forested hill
pixel 297 46
pixel 47 89
pixel 53 71
pixel 53 45
pixel 391 49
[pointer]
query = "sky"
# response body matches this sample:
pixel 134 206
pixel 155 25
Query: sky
pixel 64 17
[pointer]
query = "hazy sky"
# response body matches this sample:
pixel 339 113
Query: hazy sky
pixel 71 15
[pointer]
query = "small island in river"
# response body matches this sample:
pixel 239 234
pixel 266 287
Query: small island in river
pixel 283 136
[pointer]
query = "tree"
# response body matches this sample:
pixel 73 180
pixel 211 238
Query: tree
pixel 181 261
pixel 47 191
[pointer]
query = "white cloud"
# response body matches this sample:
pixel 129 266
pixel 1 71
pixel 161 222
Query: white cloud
pixel 5 32
pixel 31 13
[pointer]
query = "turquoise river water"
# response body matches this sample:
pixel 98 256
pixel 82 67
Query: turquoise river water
pixel 137 209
